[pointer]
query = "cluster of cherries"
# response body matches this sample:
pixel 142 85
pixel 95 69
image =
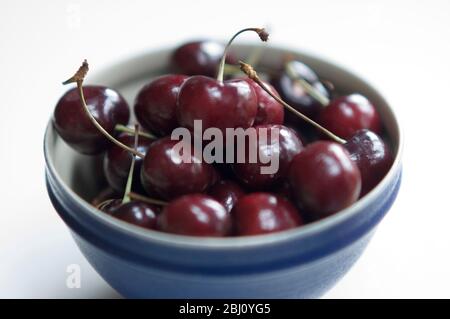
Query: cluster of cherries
pixel 330 149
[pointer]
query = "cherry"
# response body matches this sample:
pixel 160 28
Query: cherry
pixel 348 114
pixel 263 213
pixel 168 174
pixel 156 103
pixel 216 103
pixel 103 195
pixel 117 161
pixel 284 147
pixel 372 156
pixel 107 106
pixel 294 93
pixel 195 215
pixel 61 117
pixel 199 58
pixel 137 213
pixel 269 110
pixel 222 105
pixel 324 179
pixel 227 193
pixel 108 205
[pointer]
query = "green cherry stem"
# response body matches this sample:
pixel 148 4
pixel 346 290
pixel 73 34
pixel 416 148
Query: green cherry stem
pixel 146 199
pixel 263 35
pixel 251 73
pixel 126 129
pixel 312 91
pixel 78 78
pixel 126 197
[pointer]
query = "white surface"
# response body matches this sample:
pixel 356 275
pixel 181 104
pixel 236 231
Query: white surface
pixel 401 47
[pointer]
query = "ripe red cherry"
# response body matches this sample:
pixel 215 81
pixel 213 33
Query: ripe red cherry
pixel 346 115
pixel 217 104
pixel 195 215
pixel 199 58
pixel 295 95
pixel 372 156
pixel 117 161
pixel 137 213
pixel 269 110
pixel 108 205
pixel 71 122
pixel 165 171
pixel 227 193
pixel 155 105
pixel 324 179
pixel 105 194
pixel 263 213
pixel 286 148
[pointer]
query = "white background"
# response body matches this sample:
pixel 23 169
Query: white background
pixel 402 47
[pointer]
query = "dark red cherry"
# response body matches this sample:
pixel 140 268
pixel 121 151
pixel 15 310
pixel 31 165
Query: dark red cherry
pixel 109 204
pixel 166 172
pixel 117 162
pixel 346 115
pixel 282 150
pixel 136 213
pixel 155 104
pixel 373 157
pixel 71 122
pixel 199 58
pixel 195 215
pixel 295 95
pixel 227 193
pixel 269 110
pixel 263 213
pixel 324 179
pixel 217 104
pixel 105 194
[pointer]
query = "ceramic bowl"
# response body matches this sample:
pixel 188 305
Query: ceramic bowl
pixel 299 263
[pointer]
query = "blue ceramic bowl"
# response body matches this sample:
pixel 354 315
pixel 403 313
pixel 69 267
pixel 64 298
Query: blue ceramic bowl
pixel 299 263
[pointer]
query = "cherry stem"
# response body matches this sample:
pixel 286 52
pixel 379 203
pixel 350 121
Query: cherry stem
pixel 263 35
pixel 253 59
pixel 78 77
pixel 126 197
pixel 126 129
pixel 311 90
pixel 251 73
pixel 146 199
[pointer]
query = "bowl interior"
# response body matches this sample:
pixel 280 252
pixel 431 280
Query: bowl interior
pixel 84 174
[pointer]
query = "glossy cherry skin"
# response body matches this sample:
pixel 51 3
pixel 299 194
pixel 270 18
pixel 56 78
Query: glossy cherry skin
pixel 286 148
pixel 295 95
pixel 199 58
pixel 195 215
pixel 269 110
pixel 165 172
pixel 324 179
pixel 71 122
pixel 346 115
pixel 105 194
pixel 264 213
pixel 109 204
pixel 155 104
pixel 227 193
pixel 117 162
pixel 373 157
pixel 136 213
pixel 222 105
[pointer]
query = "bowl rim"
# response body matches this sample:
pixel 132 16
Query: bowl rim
pixel 244 241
